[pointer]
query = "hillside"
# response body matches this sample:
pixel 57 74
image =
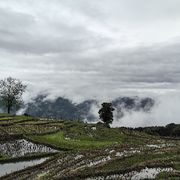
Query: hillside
pixel 65 109
pixel 85 151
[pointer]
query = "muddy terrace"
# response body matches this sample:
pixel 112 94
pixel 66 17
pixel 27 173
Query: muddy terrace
pixel 85 151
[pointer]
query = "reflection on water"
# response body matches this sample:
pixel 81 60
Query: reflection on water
pixel 11 167
pixel 22 147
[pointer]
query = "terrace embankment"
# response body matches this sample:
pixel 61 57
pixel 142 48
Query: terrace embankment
pixel 93 151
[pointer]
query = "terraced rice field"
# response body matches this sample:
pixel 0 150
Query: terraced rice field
pixel 91 151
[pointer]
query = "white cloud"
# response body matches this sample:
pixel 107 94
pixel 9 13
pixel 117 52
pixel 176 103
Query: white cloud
pixel 165 111
pixel 91 49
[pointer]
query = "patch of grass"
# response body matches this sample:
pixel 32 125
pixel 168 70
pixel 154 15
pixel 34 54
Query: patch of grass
pixel 6 119
pixel 6 158
pixel 58 140
pixel 2 156
pixel 129 161
pixel 176 166
pixel 5 115
pixel 20 117
pixel 41 175
pixel 90 144
pixel 162 175
pixel 80 136
pixel 82 132
pixel 54 122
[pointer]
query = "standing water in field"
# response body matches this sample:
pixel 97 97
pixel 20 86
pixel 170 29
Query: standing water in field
pixel 22 147
pixel 11 167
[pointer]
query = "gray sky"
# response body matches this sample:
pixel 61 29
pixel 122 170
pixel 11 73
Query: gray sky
pixel 91 49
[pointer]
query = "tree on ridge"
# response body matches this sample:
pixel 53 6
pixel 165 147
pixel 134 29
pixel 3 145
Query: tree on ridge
pixel 11 90
pixel 106 114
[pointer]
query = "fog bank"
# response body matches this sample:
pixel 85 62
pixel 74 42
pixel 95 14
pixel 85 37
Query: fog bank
pixel 166 110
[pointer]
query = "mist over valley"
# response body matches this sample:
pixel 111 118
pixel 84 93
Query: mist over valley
pixel 87 111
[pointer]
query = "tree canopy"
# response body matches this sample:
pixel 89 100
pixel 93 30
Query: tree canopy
pixel 105 113
pixel 11 90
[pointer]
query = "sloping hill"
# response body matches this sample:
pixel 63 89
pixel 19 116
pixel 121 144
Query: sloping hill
pixel 91 151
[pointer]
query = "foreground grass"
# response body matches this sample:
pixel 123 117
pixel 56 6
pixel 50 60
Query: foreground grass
pixel 127 162
pixel 5 115
pixel 18 125
pixel 95 151
pixel 81 137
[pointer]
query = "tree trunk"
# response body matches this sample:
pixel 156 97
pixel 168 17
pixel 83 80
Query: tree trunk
pixel 9 110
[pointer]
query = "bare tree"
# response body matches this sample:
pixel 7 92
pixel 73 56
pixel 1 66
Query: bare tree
pixel 11 91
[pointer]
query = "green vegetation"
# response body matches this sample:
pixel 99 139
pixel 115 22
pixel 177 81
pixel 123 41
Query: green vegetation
pixel 14 125
pixel 6 159
pixel 11 90
pixel 105 113
pixel 5 115
pixel 116 164
pixel 2 156
pixel 78 138
pixel 171 129
pixel 89 150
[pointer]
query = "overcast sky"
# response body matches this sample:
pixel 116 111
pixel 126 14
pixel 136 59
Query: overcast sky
pixel 91 49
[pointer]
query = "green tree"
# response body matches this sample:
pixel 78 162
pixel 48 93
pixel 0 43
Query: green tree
pixel 176 131
pixel 169 128
pixel 11 91
pixel 106 114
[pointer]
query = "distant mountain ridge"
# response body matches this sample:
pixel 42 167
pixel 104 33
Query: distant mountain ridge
pixel 62 108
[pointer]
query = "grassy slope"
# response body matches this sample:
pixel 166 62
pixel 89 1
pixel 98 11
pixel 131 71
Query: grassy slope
pixel 80 136
pixel 94 143
pixel 15 125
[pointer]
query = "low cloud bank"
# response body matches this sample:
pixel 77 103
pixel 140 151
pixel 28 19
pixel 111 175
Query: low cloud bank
pixel 165 110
